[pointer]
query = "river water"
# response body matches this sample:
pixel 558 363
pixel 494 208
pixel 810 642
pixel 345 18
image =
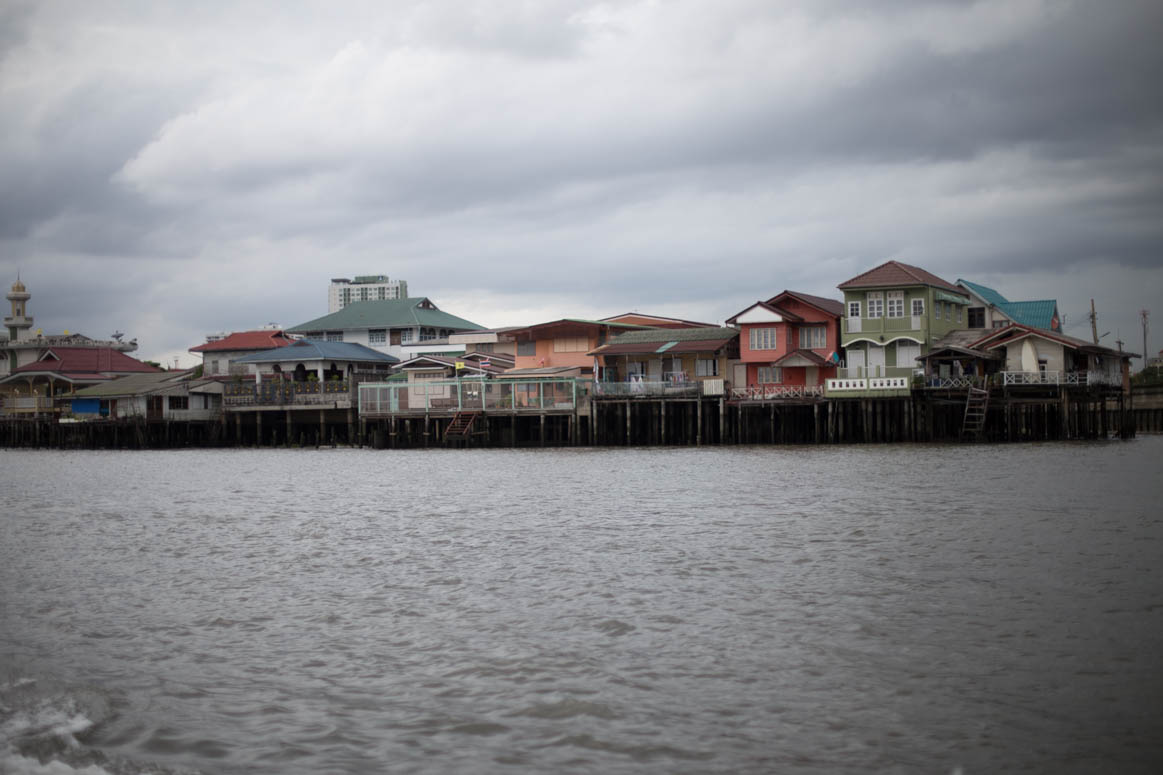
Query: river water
pixel 911 608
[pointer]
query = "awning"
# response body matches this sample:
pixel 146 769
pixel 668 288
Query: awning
pixel 952 298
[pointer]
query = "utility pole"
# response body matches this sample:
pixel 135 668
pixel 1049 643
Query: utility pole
pixel 1093 322
pixel 1145 315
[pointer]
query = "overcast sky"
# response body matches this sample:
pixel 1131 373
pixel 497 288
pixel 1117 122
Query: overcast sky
pixel 173 169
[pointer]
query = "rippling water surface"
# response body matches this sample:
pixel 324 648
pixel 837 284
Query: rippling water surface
pixel 815 610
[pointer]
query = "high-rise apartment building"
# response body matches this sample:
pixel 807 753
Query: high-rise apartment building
pixel 372 287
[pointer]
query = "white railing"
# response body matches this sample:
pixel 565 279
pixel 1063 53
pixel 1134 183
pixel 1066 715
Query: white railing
pixel 18 404
pixel 857 385
pixel 953 382
pixel 643 388
pixel 776 392
pixel 1060 378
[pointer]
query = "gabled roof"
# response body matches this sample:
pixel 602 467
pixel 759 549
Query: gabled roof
pixel 668 340
pixel 444 362
pixel 246 340
pixel 892 274
pixel 770 307
pixel 386 313
pixel 1015 332
pixel 831 306
pixel 658 321
pixel 1039 314
pixel 985 293
pixel 88 362
pixel 792 358
pixel 319 350
pixel 539 329
pixel 135 384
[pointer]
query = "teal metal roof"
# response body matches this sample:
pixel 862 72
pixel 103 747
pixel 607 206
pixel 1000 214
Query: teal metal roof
pixel 315 350
pixel 988 295
pixel 1037 314
pixel 387 313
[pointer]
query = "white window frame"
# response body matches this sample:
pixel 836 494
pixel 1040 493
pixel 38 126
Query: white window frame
pixel 377 336
pixel 706 367
pixel 406 335
pixel 853 309
pixel 333 336
pixel 875 301
pixel 774 374
pixel 764 338
pixel 918 307
pixel 958 306
pixel 895 304
pixel 813 337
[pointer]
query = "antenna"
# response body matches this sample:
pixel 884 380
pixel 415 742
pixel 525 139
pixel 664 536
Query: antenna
pixel 1145 317
pixel 1094 323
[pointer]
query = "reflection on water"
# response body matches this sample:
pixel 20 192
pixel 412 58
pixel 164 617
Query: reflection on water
pixel 856 609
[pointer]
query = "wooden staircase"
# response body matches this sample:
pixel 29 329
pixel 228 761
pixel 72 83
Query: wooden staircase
pixel 976 406
pixel 461 425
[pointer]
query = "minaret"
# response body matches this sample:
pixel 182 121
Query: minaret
pixel 19 323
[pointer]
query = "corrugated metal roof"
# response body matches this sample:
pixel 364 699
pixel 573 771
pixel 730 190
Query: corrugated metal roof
pixel 134 385
pixel 988 295
pixel 661 335
pixel 316 350
pixel 1039 314
pixel 670 348
pixel 386 313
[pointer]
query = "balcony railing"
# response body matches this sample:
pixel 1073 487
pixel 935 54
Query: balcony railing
pixel 494 395
pixel 1018 378
pixel 776 392
pixel 26 404
pixel 851 386
pixel 282 393
pixel 643 389
pixel 874 372
pixel 879 325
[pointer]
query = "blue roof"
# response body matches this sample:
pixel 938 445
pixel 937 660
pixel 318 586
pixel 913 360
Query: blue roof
pixel 1038 314
pixel 318 350
pixel 988 295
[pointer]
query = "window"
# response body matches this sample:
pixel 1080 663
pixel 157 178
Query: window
pixel 377 336
pixel 763 339
pixel 770 375
pixel 527 348
pixel 179 402
pixel 363 294
pixel 875 304
pixel 813 337
pixel 212 368
pixel 406 335
pixel 896 304
pixel 485 347
pixel 706 367
pixel 571 344
pixel 427 334
pixel 958 313
pixel 334 336
pixel 382 293
pixel 918 307
pixel 853 309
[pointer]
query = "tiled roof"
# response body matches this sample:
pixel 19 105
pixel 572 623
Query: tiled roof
pixel 893 274
pixel 833 306
pixel 988 295
pixel 387 313
pixel 245 340
pixel 663 322
pixel 85 360
pixel 319 350
pixel 1039 314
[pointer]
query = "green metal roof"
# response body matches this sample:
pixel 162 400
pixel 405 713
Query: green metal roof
pixel 988 295
pixel 387 313
pixel 675 335
pixel 1038 314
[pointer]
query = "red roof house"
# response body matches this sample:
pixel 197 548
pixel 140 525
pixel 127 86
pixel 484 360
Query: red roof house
pixel 217 355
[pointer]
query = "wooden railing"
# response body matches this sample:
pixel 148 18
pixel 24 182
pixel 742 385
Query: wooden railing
pixel 283 393
pixel 776 392
pixel 379 399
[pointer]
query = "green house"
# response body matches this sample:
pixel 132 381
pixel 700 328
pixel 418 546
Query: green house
pixel 892 313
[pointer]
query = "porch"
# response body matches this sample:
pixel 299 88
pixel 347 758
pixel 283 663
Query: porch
pixel 493 395
pixel 336 394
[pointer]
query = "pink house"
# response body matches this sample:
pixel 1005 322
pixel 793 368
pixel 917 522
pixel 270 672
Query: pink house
pixel 788 346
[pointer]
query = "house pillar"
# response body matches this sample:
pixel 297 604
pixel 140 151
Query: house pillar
pixel 258 429
pixel 322 427
pixel 698 422
pixel 290 426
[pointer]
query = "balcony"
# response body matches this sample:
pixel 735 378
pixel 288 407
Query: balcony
pixel 875 372
pixel 25 405
pixel 909 323
pixel 330 394
pixel 494 395
pixel 777 392
pixel 1069 378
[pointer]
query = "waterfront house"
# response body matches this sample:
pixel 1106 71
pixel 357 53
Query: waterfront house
pixel 666 361
pixel 788 346
pixel 162 395
pixel 60 371
pixel 486 340
pixel 892 314
pixel 400 328
pixel 1036 356
pixel 218 355
pixel 562 345
pixel 312 360
pixel 988 309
